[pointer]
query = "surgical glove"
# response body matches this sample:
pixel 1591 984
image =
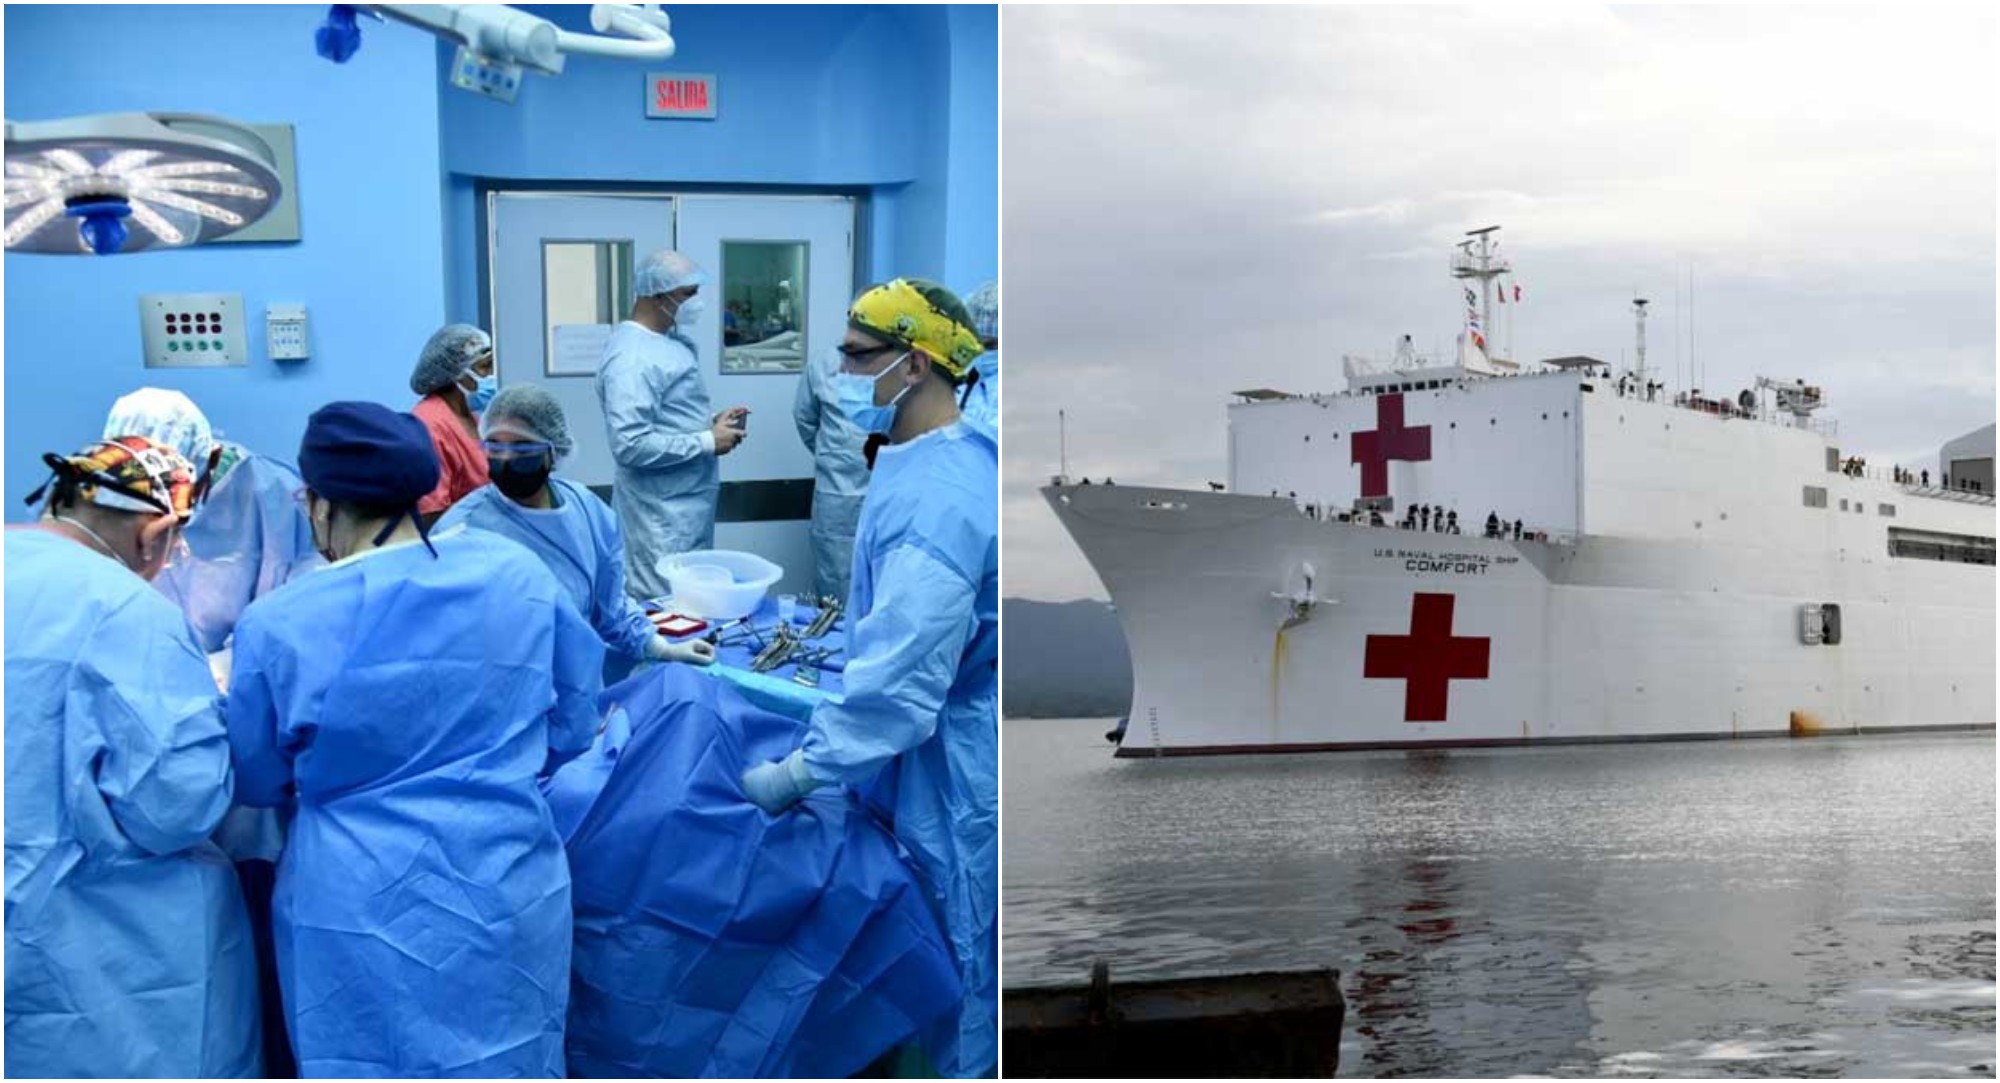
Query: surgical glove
pixel 694 652
pixel 780 784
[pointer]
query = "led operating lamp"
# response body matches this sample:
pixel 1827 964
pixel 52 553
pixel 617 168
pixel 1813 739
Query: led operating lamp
pixel 129 182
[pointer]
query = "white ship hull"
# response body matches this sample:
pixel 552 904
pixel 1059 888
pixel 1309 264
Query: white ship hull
pixel 1426 639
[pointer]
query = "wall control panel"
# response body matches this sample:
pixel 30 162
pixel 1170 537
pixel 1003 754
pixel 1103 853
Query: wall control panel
pixel 192 330
pixel 285 337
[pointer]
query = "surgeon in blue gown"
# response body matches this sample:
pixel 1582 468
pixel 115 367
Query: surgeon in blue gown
pixel 566 525
pixel 407 698
pixel 128 949
pixel 840 474
pixel 665 440
pixel 917 729
pixel 248 536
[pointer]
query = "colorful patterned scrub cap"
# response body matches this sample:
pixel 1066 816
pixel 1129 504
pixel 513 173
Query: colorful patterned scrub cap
pixel 923 316
pixel 130 473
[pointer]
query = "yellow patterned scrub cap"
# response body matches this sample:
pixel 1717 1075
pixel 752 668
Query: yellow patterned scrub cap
pixel 923 316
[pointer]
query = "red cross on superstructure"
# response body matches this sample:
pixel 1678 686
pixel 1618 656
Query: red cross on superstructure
pixel 1429 658
pixel 1389 441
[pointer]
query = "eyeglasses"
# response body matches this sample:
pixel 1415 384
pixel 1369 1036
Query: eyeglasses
pixel 853 360
pixel 508 449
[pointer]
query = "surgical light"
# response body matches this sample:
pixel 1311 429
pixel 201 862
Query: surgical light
pixel 497 42
pixel 128 182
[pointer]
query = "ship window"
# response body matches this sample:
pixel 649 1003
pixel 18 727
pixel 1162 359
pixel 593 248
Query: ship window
pixel 1938 545
pixel 1815 496
pixel 1888 510
pixel 1843 503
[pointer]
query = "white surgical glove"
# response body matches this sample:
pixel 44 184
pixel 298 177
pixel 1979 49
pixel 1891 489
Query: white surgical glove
pixel 695 652
pixel 778 785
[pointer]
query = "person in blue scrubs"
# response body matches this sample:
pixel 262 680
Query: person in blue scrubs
pixel 406 699
pixel 248 536
pixel 128 949
pixel 840 474
pixel 917 728
pixel 566 525
pixel 663 437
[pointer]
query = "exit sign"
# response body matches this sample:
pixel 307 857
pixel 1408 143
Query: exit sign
pixel 680 96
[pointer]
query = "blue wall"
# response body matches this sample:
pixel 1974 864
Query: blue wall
pixel 368 266
pixel 897 104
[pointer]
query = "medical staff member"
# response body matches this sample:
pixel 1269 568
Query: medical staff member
pixel 128 949
pixel 663 437
pixel 918 724
pixel 248 535
pixel 981 403
pixel 840 474
pixel 566 525
pixel 406 698
pixel 454 374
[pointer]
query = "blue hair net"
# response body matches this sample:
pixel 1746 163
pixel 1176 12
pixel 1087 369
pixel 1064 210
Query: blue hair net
pixel 447 356
pixel 164 417
pixel 529 411
pixel 666 271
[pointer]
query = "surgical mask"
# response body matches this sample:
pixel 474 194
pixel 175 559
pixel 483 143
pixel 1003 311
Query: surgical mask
pixel 481 395
pixel 690 312
pixel 855 395
pixel 519 477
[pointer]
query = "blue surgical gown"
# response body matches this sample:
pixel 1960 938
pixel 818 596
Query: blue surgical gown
pixel 408 702
pixel 840 478
pixel 248 538
pixel 657 417
pixel 918 725
pixel 128 949
pixel 982 408
pixel 578 540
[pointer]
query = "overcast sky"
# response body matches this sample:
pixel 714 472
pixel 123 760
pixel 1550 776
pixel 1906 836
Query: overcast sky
pixel 1203 199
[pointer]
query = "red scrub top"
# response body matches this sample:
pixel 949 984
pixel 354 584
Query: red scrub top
pixel 461 460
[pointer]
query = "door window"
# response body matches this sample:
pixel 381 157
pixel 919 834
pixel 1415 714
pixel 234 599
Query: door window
pixel 763 307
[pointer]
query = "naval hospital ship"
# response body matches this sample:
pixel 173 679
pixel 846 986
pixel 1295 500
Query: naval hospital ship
pixel 1687 567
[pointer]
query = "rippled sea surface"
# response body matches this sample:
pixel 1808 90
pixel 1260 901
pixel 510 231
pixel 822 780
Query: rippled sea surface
pixel 1756 908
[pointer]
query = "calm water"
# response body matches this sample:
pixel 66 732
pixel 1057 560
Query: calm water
pixel 1769 907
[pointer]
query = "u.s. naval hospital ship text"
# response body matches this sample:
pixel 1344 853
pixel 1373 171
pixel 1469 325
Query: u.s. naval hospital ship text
pixel 1630 562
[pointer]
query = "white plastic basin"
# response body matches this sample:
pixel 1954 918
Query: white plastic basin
pixel 720 584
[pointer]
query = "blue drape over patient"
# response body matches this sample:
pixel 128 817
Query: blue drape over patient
pixel 714 940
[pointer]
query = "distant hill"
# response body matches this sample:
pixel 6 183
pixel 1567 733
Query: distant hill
pixel 1063 660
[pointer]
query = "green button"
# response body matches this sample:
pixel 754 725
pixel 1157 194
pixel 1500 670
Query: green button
pixel 218 344
pixel 173 346
pixel 203 346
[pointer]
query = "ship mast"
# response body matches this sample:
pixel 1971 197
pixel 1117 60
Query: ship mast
pixel 1639 371
pixel 1479 257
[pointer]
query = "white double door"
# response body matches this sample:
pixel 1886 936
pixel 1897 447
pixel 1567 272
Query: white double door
pixel 782 275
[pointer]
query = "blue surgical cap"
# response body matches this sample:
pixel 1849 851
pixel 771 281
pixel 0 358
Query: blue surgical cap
pixel 365 453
